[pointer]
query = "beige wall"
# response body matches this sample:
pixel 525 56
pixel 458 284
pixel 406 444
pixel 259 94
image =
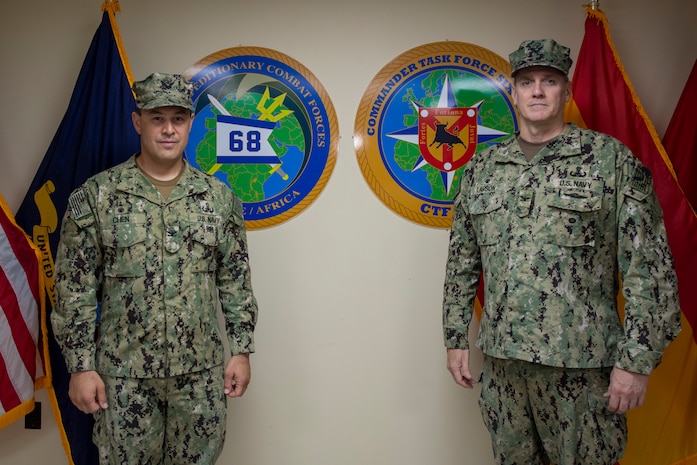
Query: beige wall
pixel 350 367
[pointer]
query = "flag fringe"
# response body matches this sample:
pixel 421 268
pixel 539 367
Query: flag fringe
pixel 16 413
pixel 112 7
pixel 53 399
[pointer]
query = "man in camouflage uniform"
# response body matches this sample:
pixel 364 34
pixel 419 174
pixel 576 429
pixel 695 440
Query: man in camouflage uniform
pixel 153 245
pixel 551 217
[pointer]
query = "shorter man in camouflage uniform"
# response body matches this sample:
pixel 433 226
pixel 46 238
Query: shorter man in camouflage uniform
pixel 551 217
pixel 155 245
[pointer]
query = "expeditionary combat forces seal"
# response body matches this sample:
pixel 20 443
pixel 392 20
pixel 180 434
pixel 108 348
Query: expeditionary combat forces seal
pixel 265 126
pixel 423 117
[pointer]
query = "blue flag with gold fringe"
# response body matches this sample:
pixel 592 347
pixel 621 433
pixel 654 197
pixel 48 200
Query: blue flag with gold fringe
pixel 96 133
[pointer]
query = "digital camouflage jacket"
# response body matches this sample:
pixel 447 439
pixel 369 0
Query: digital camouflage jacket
pixel 155 270
pixel 555 239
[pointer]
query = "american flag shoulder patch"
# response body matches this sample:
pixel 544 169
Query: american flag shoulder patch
pixel 79 207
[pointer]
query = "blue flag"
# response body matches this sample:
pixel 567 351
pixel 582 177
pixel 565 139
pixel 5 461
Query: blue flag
pixel 96 133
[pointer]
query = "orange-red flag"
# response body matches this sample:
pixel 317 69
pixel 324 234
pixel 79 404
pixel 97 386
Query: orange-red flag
pixel 680 139
pixel 663 431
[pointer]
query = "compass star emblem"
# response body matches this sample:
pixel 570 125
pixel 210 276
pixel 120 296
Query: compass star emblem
pixel 446 101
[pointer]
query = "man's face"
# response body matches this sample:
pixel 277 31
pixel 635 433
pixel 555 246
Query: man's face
pixel 164 133
pixel 540 94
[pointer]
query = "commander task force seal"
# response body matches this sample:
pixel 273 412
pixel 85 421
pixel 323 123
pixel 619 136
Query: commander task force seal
pixel 423 117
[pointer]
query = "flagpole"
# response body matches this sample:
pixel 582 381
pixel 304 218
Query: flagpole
pixel 594 5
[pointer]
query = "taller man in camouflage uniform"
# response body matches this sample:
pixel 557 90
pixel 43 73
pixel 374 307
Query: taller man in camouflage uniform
pixel 151 246
pixel 551 217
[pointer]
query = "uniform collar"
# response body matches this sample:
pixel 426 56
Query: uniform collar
pixel 133 181
pixel 566 144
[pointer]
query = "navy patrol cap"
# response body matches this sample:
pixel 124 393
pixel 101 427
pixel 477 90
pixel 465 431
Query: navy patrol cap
pixel 542 52
pixel 164 90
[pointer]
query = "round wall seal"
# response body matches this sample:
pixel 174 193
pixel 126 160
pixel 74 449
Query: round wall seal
pixel 423 117
pixel 266 127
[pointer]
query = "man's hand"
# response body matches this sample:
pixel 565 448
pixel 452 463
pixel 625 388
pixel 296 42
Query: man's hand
pixel 237 375
pixel 86 391
pixel 459 366
pixel 626 391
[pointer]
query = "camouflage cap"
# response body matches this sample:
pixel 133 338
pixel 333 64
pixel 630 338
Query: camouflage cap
pixel 543 52
pixel 163 90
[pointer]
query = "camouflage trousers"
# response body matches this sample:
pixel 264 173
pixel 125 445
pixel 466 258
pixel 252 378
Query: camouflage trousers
pixel 162 421
pixel 538 414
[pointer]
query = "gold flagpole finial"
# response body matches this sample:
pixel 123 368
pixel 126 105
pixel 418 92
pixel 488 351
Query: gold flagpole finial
pixel 594 5
pixel 111 5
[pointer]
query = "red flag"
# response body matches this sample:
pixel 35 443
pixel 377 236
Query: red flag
pixel 21 316
pixel 680 139
pixel 663 430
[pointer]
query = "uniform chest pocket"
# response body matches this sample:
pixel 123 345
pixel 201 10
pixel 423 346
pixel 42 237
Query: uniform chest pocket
pixel 572 217
pixel 125 250
pixel 203 241
pixel 487 215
